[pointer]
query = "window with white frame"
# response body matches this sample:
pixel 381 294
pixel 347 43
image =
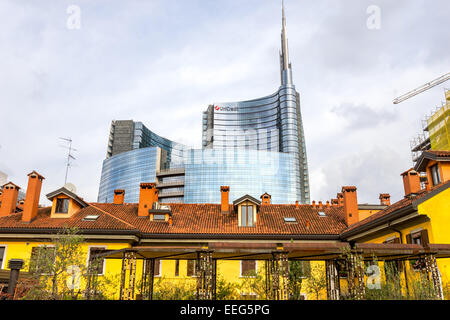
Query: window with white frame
pixel 95 264
pixel 247 216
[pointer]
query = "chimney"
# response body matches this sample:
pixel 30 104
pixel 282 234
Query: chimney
pixel 31 205
pixel 328 204
pixel 340 198
pixel 170 221
pixel 9 199
pixel 266 199
pixel 411 182
pixel 20 204
pixel 334 202
pixel 225 196
pixel 119 196
pixel 350 205
pixel 296 204
pixel 320 205
pixel 147 196
pixel 385 199
pixel 314 204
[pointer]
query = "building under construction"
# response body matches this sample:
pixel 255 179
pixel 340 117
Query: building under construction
pixel 436 131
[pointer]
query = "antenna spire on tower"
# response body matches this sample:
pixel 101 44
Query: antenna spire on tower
pixel 284 55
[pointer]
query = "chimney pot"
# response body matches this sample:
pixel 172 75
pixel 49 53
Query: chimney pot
pixel 296 204
pixel 411 182
pixel 385 199
pixel 9 199
pixel 31 204
pixel 119 196
pixel 328 204
pixel 314 204
pixel 147 196
pixel 320 205
pixel 350 205
pixel 225 199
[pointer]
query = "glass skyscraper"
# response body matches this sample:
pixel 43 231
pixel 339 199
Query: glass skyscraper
pixel 253 146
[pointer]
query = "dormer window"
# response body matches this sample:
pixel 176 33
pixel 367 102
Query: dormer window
pixel 62 206
pixel 247 216
pixel 159 217
pixel 246 208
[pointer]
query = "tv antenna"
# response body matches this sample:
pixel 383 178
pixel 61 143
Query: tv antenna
pixel 70 156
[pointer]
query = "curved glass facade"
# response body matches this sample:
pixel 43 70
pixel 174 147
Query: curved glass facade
pixel 126 171
pixel 245 171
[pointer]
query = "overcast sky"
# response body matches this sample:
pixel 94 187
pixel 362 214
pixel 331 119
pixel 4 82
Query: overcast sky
pixel 163 62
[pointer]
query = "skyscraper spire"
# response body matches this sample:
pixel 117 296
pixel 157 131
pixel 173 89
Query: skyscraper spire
pixel 285 67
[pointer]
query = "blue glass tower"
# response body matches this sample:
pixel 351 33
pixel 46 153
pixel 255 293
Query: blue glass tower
pixel 253 146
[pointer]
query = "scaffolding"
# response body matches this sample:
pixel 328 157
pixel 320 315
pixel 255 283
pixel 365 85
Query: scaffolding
pixel 435 131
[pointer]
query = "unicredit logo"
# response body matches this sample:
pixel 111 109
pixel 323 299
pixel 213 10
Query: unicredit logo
pixel 229 109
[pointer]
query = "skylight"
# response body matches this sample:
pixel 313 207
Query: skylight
pixel 322 214
pixel 91 217
pixel 290 219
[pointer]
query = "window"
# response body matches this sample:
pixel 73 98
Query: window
pixel 247 216
pixel 290 219
pixel 322 214
pixel 97 265
pixel 435 177
pixel 248 268
pixel 159 217
pixel 191 268
pixel 420 238
pixel 62 206
pixel 42 257
pixel 2 257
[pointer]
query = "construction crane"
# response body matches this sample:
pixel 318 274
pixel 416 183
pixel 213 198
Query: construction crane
pixel 423 88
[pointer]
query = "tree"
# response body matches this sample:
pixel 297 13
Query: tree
pixel 317 281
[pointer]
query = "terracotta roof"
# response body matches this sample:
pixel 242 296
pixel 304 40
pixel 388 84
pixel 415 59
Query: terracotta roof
pixel 394 207
pixel 193 219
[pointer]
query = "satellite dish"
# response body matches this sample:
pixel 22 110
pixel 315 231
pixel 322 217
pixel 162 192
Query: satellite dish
pixel 71 187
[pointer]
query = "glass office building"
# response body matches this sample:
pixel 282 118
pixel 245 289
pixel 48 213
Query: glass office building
pixel 253 146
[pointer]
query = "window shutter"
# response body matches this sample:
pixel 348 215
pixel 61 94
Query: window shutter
pixel 424 236
pixel 248 267
pixel 408 238
pixel 156 269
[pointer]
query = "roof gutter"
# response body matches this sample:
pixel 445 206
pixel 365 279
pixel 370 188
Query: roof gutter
pixel 241 236
pixel 388 218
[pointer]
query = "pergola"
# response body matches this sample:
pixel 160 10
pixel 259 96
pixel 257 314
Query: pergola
pixel 276 257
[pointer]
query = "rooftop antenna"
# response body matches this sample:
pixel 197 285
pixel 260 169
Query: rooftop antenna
pixel 70 156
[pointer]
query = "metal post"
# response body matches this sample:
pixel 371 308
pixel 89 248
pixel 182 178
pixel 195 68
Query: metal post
pixel 15 265
pixel 204 268
pixel 279 276
pixel 433 270
pixel 148 274
pixel 128 271
pixel 332 276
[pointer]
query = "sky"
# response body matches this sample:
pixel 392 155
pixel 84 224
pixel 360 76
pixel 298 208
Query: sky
pixel 162 62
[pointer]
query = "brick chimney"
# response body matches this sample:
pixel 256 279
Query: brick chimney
pixel 31 205
pixel 385 199
pixel 147 196
pixel 266 199
pixel 225 199
pixel 350 205
pixel 411 182
pixel 334 202
pixel 9 199
pixel 340 198
pixel 119 196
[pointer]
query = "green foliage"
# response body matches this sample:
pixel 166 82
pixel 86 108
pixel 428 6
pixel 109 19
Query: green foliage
pixel 178 290
pixel 317 281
